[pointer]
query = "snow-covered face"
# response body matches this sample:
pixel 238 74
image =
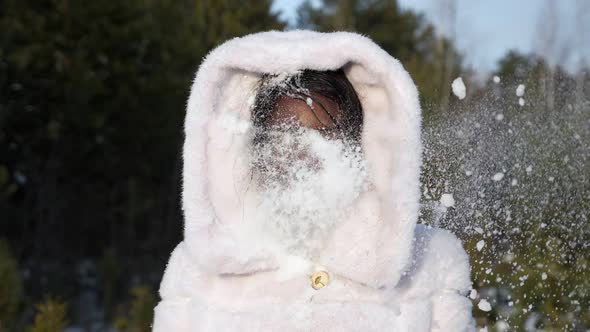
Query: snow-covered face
pixel 307 176
pixel 294 117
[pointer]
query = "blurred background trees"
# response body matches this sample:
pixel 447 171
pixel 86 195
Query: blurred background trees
pixel 92 98
pixel 10 288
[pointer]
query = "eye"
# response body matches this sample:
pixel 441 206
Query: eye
pixel 320 111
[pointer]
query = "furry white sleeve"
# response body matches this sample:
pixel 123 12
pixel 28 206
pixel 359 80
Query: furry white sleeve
pixel 443 264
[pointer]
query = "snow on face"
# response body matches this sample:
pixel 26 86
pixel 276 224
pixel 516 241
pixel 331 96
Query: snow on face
pixel 480 245
pixel 306 184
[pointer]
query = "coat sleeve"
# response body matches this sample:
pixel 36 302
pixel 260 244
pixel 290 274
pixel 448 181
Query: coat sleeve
pixel 171 315
pixel 173 311
pixel 451 311
pixel 445 268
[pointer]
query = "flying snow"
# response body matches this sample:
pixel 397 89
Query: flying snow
pixel 498 176
pixel 520 90
pixel 484 305
pixel 521 177
pixel 480 245
pixel 447 200
pixel 459 88
pixel 306 185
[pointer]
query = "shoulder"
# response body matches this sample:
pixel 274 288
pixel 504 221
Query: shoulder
pixel 439 261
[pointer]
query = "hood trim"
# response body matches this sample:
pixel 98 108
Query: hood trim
pixel 391 134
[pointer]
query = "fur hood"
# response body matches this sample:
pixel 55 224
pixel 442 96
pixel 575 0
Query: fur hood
pixel 383 270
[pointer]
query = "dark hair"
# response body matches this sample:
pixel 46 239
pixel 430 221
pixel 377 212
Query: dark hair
pixel 332 84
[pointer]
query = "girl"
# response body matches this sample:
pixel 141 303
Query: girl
pixel 301 196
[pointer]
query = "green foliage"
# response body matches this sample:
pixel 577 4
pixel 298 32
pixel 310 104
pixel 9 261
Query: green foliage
pixel 10 287
pixel 111 274
pixel 50 317
pixel 141 311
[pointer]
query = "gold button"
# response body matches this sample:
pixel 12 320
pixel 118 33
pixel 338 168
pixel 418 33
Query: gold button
pixel 319 279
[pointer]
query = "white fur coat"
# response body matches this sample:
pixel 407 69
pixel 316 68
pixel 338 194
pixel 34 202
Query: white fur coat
pixel 385 272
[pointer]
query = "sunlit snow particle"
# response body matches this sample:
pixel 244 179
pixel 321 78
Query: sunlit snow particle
pixel 479 230
pixel 529 169
pixel 473 294
pixel 520 90
pixel 480 245
pixel 468 173
pixel 309 102
pixel 447 200
pixel 484 305
pixel 251 100
pixel 520 101
pixel 496 79
pixel 502 326
pixel 543 276
pixel 459 88
pixel 498 176
pixel 499 116
pixel 514 182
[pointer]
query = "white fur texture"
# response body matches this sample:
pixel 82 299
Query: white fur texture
pixel 221 278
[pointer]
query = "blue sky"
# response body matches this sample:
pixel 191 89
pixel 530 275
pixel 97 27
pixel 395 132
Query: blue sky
pixel 487 29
